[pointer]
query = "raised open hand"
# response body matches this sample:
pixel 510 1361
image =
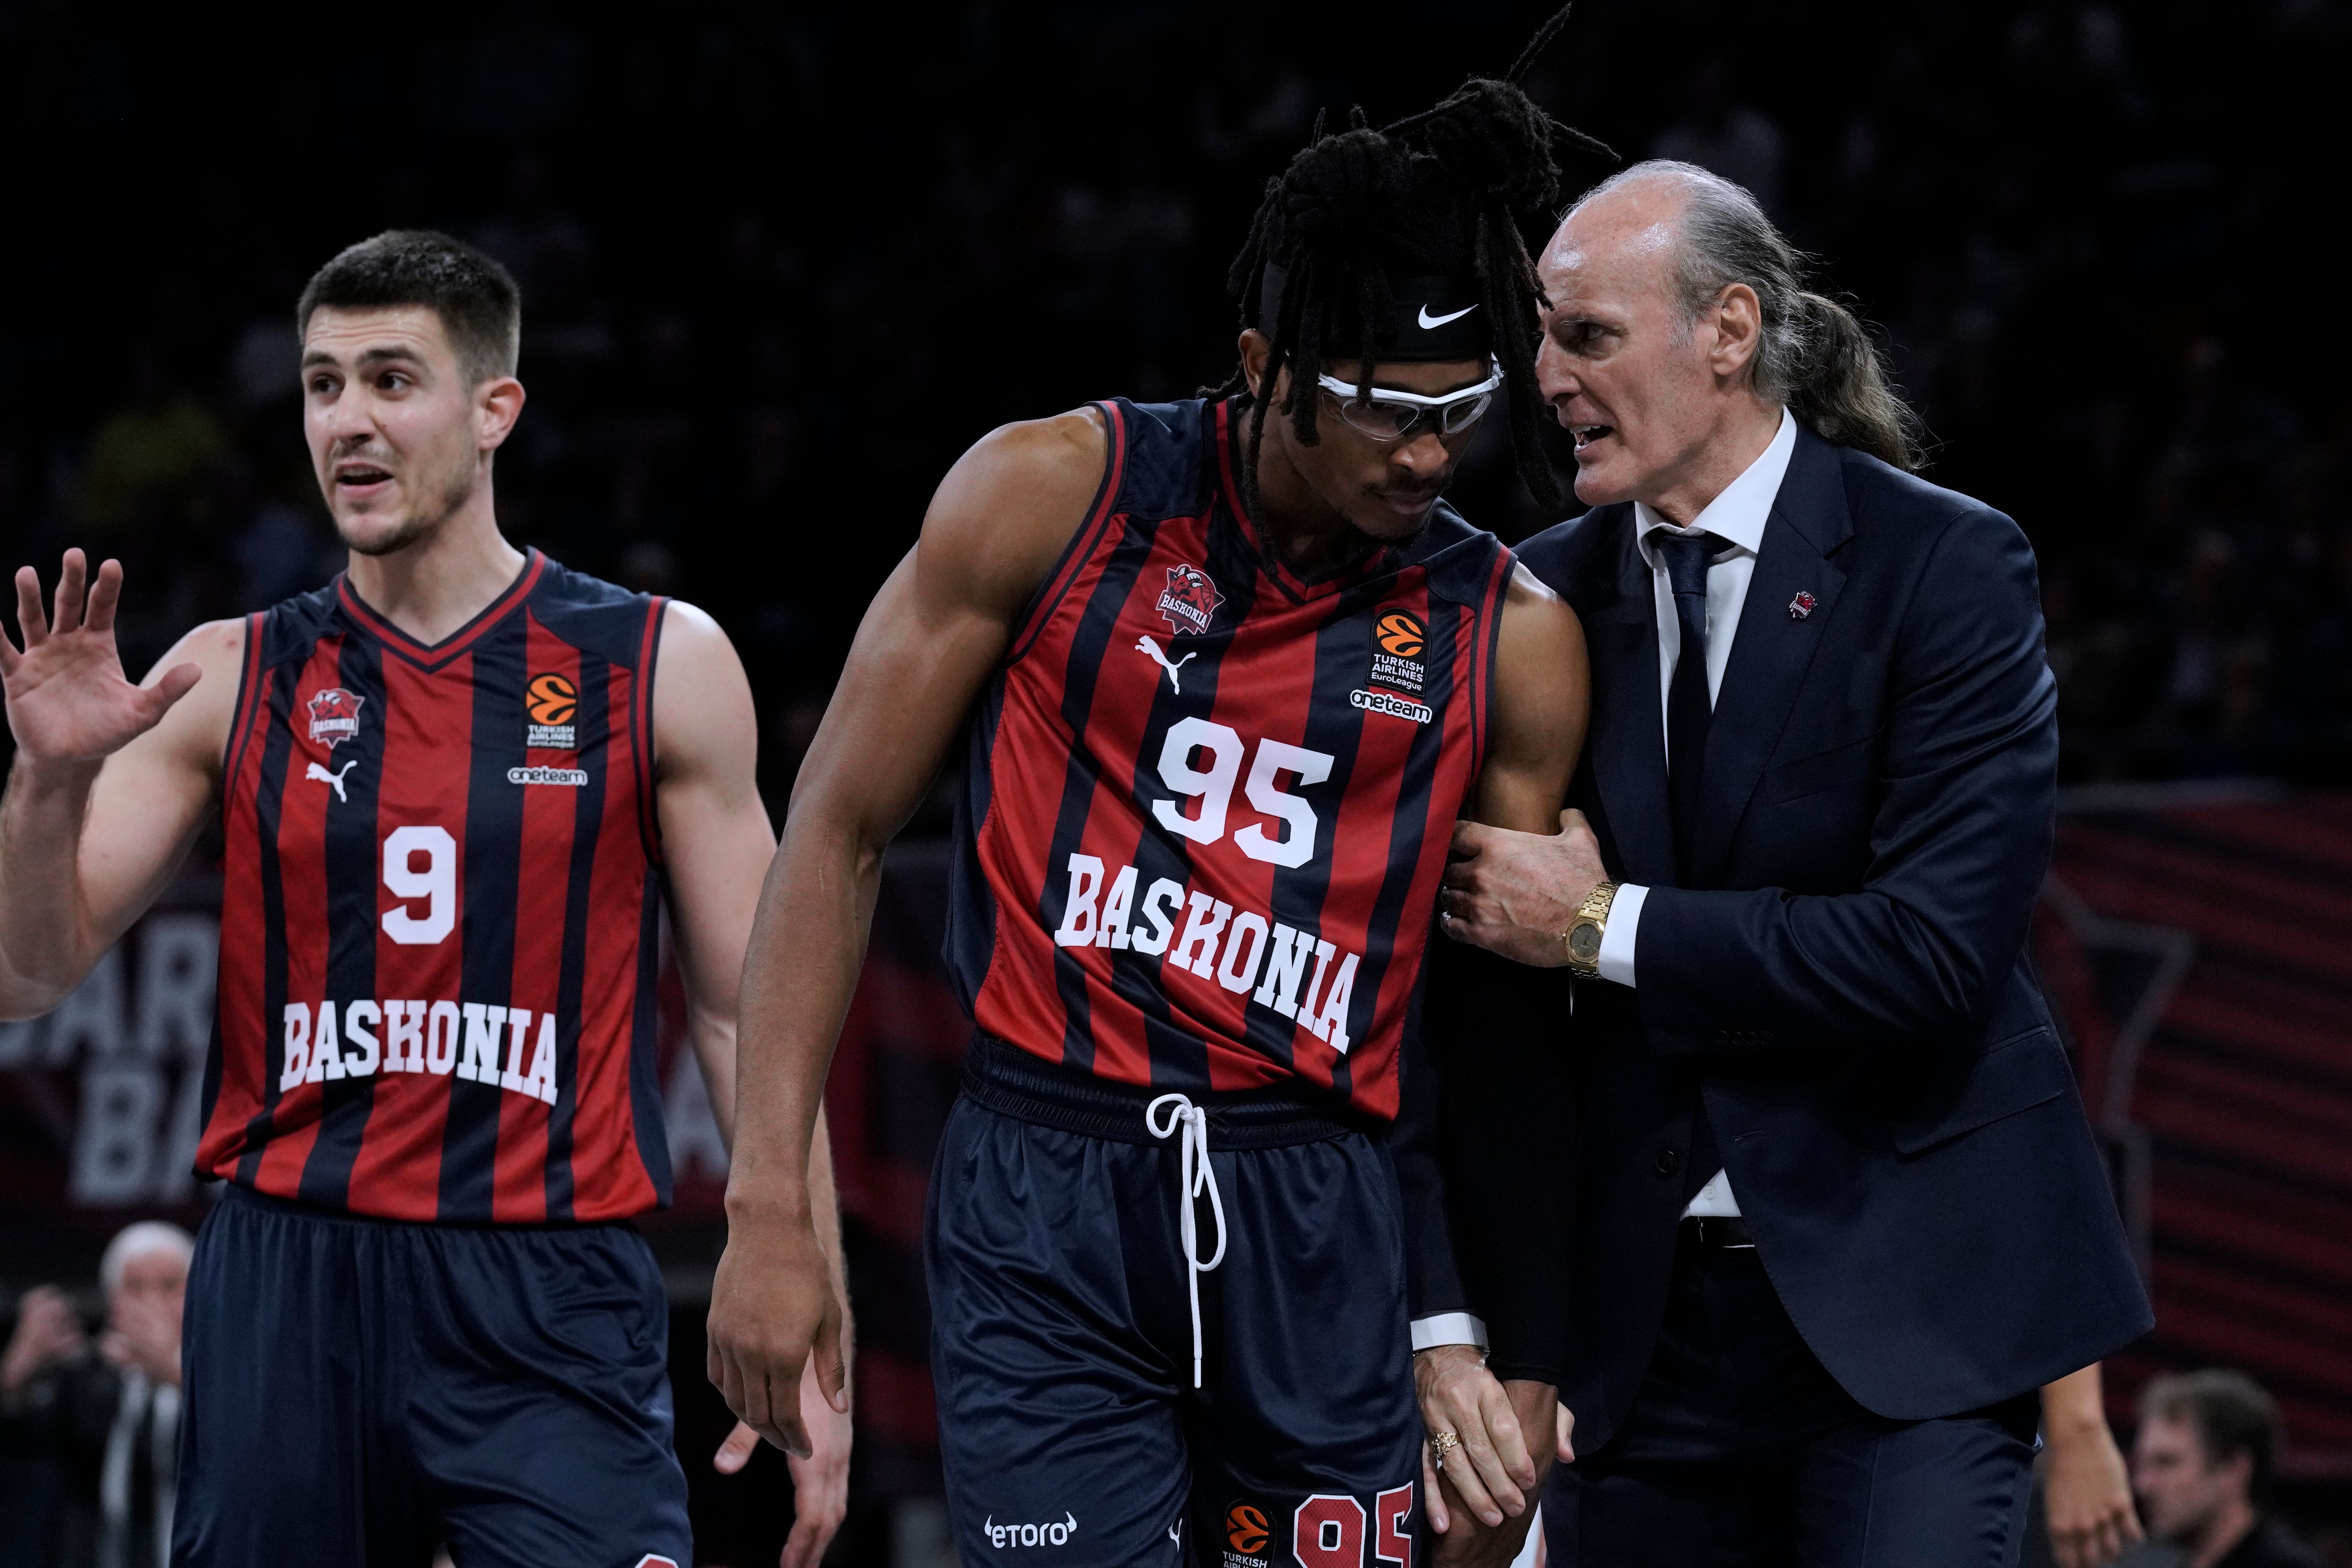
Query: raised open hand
pixel 68 701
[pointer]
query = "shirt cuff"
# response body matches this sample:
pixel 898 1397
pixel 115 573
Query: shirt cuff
pixel 1448 1329
pixel 1616 960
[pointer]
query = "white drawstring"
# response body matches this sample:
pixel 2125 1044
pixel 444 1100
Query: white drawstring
pixel 1197 1176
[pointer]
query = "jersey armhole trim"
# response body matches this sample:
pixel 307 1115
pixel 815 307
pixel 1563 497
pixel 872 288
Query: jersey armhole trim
pixel 1499 585
pixel 1082 545
pixel 248 695
pixel 641 728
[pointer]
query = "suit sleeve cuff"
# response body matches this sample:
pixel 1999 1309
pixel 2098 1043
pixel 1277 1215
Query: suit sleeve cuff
pixel 1616 960
pixel 1448 1329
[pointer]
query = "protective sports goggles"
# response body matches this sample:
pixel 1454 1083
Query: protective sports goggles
pixel 1388 416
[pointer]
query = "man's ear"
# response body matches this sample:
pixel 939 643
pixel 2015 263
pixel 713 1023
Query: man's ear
pixel 1738 331
pixel 498 403
pixel 1257 348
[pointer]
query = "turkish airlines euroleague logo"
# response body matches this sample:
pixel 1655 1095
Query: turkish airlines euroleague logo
pixel 1398 675
pixel 1401 633
pixel 1245 1529
pixel 552 703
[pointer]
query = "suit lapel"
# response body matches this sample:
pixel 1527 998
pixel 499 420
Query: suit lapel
pixel 1628 747
pixel 1774 646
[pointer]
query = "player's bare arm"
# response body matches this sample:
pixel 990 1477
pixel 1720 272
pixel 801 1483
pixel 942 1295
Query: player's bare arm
pixel 716 841
pixel 1000 519
pixel 111 779
pixel 716 844
pixel 1539 709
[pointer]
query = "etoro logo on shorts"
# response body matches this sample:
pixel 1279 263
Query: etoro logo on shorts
pixel 552 703
pixel 1003 1535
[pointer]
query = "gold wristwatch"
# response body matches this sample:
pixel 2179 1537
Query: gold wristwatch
pixel 1583 937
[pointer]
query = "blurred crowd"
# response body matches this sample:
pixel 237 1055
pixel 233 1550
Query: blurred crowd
pixel 780 267
pixel 90 1411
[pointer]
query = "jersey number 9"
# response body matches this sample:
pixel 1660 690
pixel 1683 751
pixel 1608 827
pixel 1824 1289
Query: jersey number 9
pixel 437 884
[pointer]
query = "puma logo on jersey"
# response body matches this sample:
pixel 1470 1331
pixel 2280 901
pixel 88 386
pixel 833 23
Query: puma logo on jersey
pixel 1148 645
pixel 333 779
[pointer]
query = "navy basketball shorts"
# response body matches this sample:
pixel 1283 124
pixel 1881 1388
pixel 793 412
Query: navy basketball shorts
pixel 1063 1335
pixel 360 1391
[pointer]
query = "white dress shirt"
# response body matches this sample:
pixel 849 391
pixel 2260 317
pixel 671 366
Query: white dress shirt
pixel 1736 516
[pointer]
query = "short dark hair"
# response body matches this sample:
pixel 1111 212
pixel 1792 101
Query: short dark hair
pixel 2231 1412
pixel 479 306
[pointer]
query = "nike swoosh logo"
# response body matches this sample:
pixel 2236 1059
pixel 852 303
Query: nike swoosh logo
pixel 1428 321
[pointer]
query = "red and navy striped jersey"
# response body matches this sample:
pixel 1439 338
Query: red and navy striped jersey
pixel 438 933
pixel 1209 802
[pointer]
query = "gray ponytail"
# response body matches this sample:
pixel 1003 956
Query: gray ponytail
pixel 1814 356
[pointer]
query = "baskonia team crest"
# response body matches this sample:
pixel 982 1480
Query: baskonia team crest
pixel 552 703
pixel 335 716
pixel 1189 600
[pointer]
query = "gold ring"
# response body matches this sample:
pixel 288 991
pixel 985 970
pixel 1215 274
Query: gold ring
pixel 1443 1443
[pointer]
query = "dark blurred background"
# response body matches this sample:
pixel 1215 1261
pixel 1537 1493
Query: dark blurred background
pixel 782 263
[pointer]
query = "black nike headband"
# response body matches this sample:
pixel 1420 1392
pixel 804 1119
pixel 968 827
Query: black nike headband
pixel 1435 320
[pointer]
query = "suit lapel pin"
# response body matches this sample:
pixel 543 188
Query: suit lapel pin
pixel 1801 606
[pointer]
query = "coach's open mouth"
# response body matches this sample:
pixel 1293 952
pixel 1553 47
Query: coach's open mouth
pixel 1587 434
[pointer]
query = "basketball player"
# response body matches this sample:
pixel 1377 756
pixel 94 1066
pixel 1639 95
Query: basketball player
pixel 1226 681
pixel 455 786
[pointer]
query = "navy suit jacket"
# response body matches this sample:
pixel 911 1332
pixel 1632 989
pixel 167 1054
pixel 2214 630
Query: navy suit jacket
pixel 1843 983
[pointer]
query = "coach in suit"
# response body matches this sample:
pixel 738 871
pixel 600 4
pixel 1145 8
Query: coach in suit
pixel 1828 1210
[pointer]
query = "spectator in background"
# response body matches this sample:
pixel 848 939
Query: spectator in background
pixel 112 1417
pixel 2202 1469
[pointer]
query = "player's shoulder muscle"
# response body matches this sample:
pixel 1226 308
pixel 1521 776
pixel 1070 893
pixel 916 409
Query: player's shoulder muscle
pixel 1541 697
pixel 1008 508
pixel 702 708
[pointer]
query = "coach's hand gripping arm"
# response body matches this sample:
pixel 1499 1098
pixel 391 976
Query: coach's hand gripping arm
pixel 926 645
pixel 1503 1095
pixel 1968 768
pixel 111 782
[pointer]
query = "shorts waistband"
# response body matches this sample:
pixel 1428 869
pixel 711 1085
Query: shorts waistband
pixel 239 1192
pixel 1010 1081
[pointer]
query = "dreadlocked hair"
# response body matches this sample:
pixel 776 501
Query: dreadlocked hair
pixel 1423 195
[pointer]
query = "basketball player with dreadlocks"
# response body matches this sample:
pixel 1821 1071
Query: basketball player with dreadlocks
pixel 1228 670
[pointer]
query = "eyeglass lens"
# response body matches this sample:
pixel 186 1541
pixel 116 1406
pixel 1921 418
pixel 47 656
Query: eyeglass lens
pixel 1389 421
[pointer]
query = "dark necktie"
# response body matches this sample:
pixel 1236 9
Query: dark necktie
pixel 1688 706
